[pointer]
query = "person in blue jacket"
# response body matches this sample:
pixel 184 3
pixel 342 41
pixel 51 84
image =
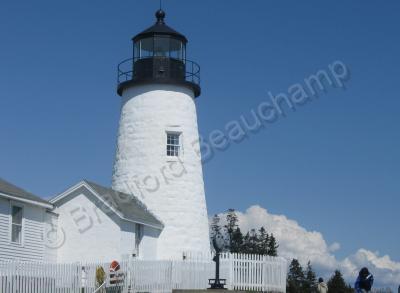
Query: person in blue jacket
pixel 364 281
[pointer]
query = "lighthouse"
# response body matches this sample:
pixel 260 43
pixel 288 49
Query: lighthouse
pixel 158 157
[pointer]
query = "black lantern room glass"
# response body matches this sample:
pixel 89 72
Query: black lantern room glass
pixel 160 46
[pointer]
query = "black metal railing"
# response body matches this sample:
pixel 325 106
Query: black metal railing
pixel 126 70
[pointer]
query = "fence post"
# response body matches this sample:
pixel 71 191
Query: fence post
pixel 231 272
pixel 264 273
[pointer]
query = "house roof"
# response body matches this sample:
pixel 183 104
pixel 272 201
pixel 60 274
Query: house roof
pixel 10 190
pixel 126 206
pixel 129 205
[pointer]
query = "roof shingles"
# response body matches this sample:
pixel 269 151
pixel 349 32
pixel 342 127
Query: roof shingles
pixel 129 206
pixel 10 189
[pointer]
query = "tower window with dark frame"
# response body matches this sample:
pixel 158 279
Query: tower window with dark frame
pixel 173 144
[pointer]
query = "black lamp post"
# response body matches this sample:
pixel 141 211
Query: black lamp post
pixel 217 283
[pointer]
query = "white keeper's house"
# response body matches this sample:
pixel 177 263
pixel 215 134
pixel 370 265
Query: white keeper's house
pixel 155 207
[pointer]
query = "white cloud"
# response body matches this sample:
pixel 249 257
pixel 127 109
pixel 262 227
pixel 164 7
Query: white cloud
pixel 296 242
pixel 334 247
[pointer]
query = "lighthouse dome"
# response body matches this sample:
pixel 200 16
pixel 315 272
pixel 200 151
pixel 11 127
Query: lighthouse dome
pixel 160 28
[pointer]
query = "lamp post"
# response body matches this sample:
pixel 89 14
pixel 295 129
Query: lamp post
pixel 217 283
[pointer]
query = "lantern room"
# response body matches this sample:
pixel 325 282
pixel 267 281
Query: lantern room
pixel 159 56
pixel 160 41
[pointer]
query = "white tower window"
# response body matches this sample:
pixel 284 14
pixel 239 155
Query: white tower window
pixel 173 144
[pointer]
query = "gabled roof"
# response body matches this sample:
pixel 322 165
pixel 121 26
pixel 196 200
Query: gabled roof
pixel 9 190
pixel 126 206
pixel 130 206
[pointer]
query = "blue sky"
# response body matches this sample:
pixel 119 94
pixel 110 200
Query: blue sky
pixel 333 165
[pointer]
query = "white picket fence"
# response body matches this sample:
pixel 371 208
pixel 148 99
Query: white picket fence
pixel 255 272
pixel 242 272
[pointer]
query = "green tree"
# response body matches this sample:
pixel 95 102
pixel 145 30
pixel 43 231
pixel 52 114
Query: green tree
pixel 272 246
pixel 310 284
pixel 230 227
pixel 250 242
pixel 253 242
pixel 295 278
pixel 263 241
pixel 215 227
pixel 246 243
pixel 237 241
pixel 336 284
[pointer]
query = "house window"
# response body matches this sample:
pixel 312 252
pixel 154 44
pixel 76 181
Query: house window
pixel 16 224
pixel 173 144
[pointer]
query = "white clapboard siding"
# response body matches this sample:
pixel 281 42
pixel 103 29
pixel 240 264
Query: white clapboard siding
pixel 242 272
pixel 33 247
pixel 50 235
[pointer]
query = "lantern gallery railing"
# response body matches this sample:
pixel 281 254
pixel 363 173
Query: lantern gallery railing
pixel 187 70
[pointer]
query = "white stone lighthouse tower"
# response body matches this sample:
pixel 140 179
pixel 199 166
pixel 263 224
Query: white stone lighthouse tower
pixel 158 156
